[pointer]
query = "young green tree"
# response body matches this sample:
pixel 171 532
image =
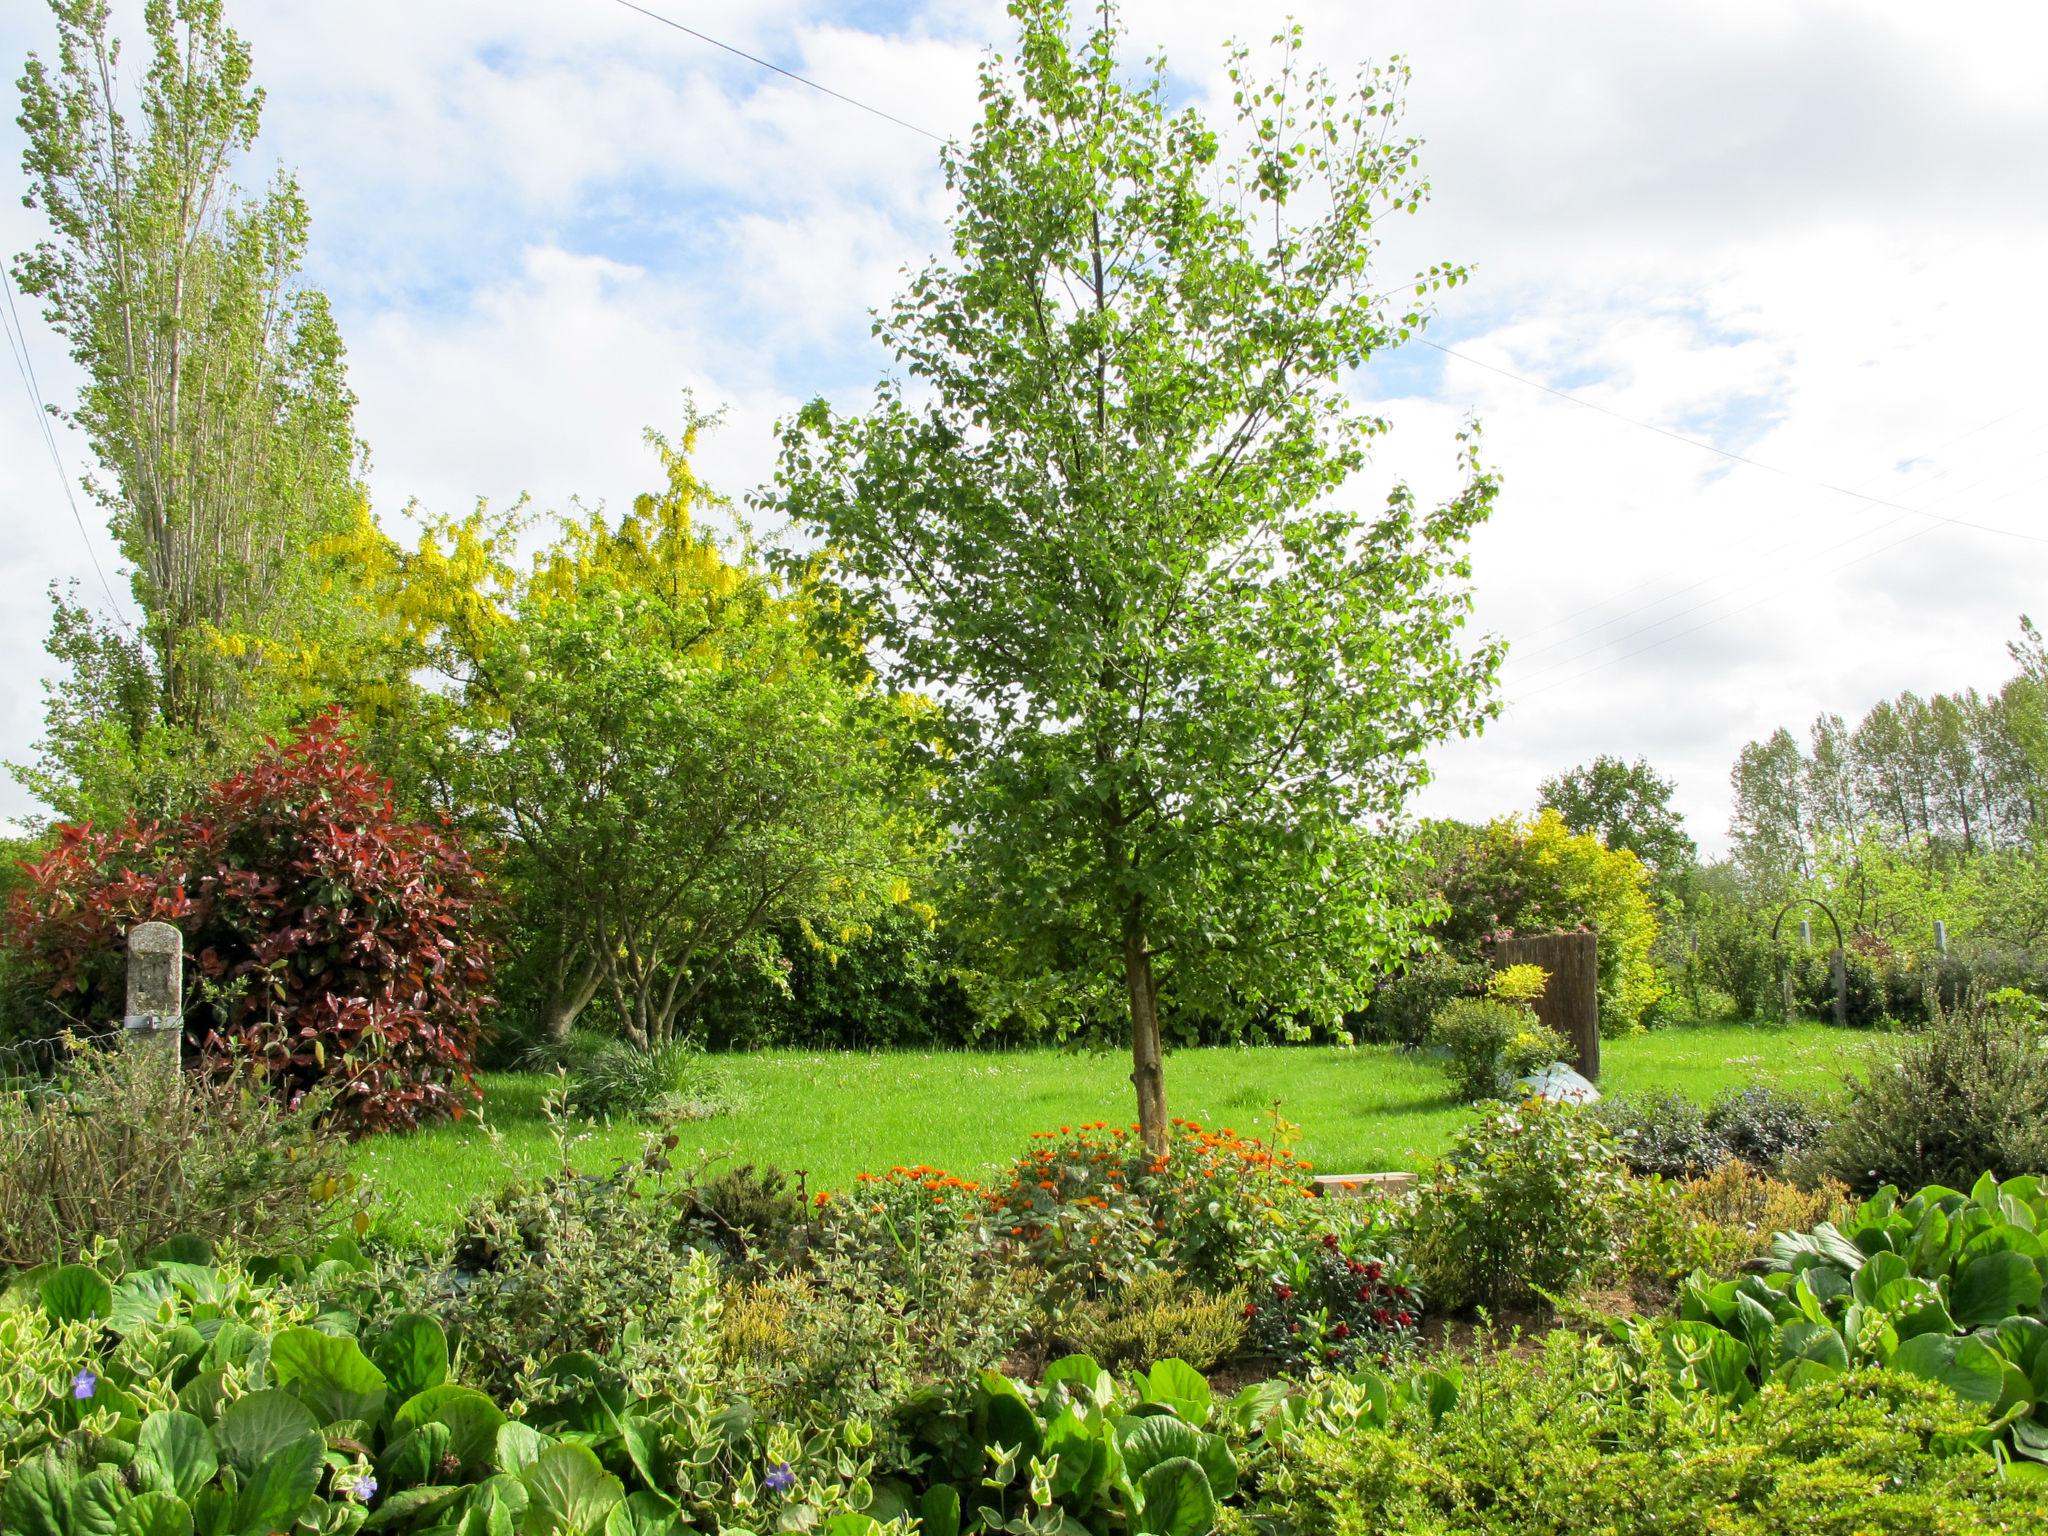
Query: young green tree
pixel 214 395
pixel 643 723
pixel 1627 805
pixel 1187 689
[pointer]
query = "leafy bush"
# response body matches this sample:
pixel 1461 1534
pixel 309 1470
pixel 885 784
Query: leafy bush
pixel 1766 1127
pixel 1523 1205
pixel 1583 1437
pixel 1161 1316
pixel 1492 1044
pixel 327 938
pixel 609 1078
pixel 114 1152
pixel 1663 1132
pixel 1539 876
pixel 1968 1095
pixel 1334 1296
pixel 1404 1003
pixel 1716 1222
pixel 1944 1286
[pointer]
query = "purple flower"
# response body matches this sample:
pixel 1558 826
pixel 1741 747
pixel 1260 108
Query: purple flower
pixel 779 1479
pixel 362 1486
pixel 83 1385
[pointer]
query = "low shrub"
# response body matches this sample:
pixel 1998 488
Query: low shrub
pixel 1766 1127
pixel 1583 1437
pixel 1160 1316
pixel 1404 1003
pixel 1943 1286
pixel 328 938
pixel 610 1078
pixel 1523 1206
pixel 1968 1095
pixel 1663 1133
pixel 114 1152
pixel 1716 1222
pixel 1493 1042
pixel 1329 1294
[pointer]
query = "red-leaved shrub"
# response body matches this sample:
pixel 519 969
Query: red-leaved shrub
pixel 325 936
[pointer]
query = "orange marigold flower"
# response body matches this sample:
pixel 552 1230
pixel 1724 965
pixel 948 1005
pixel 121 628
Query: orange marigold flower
pixel 823 1196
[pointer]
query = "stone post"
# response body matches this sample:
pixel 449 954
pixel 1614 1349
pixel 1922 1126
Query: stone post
pixel 156 993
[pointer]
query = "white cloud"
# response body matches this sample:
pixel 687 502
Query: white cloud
pixel 1809 230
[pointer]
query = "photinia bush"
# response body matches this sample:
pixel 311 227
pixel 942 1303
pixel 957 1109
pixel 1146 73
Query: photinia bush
pixel 326 936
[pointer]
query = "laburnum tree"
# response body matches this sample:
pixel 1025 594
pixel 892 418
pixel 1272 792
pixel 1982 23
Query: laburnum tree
pixel 644 720
pixel 330 938
pixel 1187 690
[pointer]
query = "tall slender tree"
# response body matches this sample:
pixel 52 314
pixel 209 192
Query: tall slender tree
pixel 214 398
pixel 1187 690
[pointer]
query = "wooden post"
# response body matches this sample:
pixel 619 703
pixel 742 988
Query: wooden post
pixel 156 993
pixel 1838 968
pixel 1571 1000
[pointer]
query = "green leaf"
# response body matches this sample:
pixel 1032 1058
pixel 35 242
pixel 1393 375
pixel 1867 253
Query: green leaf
pixel 848 1523
pixel 1083 1373
pixel 409 1505
pixel 37 1499
pixel 569 1493
pixel 329 1373
pixel 1177 1385
pixel 647 1514
pixel 77 1293
pixel 413 1355
pixel 1175 1501
pixel 414 1458
pixel 180 1448
pixel 939 1510
pixel 139 1297
pixel 1968 1367
pixel 518 1447
pixel 1718 1360
pixel 275 1490
pixel 254 1428
pixel 155 1513
pixel 1156 1438
pixel 473 1421
pixel 184 1248
pixel 1994 1286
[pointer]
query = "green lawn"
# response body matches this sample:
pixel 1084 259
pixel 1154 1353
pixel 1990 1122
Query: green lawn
pixel 833 1114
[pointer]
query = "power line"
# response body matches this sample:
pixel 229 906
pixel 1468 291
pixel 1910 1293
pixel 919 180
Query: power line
pixel 887 117
pixel 1726 453
pixel 17 343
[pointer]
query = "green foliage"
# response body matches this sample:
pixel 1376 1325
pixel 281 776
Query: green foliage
pixel 1492 1044
pixel 1969 1094
pixel 1624 805
pixel 608 1077
pixel 1581 1438
pixel 1767 1127
pixel 213 396
pixel 1944 1286
pixel 1668 1133
pixel 1159 1316
pixel 1539 876
pixel 1404 1001
pixel 112 1151
pixel 1523 1207
pixel 678 770
pixel 1180 682
pixel 1329 1293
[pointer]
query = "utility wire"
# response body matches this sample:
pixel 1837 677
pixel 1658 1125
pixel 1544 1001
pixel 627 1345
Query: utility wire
pixel 887 117
pixel 1714 448
pixel 17 343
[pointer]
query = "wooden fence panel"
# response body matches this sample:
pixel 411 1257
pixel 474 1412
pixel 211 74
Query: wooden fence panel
pixel 1571 1001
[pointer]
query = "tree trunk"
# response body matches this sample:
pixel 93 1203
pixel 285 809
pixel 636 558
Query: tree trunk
pixel 1148 1075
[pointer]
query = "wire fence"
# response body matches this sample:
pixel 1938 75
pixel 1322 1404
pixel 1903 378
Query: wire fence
pixel 24 1062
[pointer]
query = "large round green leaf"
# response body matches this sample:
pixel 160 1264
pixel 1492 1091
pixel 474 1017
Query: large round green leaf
pixel 1994 1286
pixel 1175 1501
pixel 569 1493
pixel 472 1420
pixel 77 1293
pixel 254 1428
pixel 329 1373
pixel 179 1448
pixel 155 1514
pixel 412 1353
pixel 1970 1368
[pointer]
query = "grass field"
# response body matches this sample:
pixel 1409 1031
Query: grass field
pixel 835 1114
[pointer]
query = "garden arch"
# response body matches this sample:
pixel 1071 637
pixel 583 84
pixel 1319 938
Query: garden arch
pixel 1838 962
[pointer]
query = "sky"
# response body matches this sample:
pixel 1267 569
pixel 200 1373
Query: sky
pixel 1808 232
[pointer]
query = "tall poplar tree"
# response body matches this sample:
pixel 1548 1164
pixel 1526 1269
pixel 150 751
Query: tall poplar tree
pixel 214 397
pixel 1187 689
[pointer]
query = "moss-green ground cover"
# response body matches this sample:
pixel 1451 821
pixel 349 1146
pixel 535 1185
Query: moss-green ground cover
pixel 833 1114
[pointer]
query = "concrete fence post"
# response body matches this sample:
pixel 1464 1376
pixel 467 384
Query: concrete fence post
pixel 156 993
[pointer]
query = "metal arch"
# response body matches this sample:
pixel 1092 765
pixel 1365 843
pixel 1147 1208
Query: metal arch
pixel 1808 901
